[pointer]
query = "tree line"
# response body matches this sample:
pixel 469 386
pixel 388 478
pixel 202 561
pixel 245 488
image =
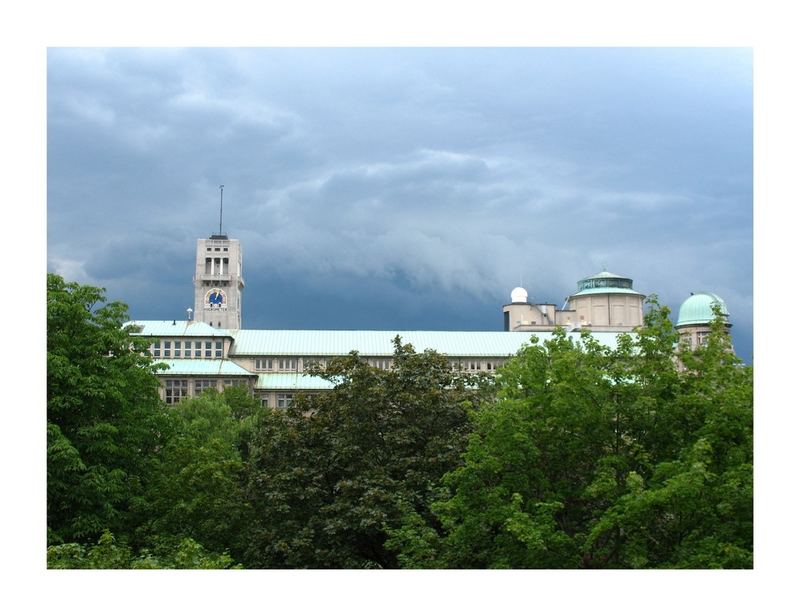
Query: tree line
pixel 574 455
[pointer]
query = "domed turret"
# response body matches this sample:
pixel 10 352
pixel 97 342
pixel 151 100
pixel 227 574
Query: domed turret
pixel 519 296
pixel 607 302
pixel 696 314
pixel 698 309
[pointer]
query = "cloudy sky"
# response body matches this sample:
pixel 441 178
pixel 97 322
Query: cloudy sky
pixel 403 188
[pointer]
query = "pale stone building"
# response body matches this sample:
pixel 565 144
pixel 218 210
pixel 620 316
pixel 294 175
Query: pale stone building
pixel 211 350
pixel 604 302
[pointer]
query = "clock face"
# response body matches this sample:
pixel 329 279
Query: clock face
pixel 216 298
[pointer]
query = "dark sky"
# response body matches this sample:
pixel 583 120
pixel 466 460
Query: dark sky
pixel 403 188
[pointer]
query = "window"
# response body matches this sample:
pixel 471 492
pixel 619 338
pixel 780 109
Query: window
pixel 265 401
pixel 474 365
pixel 177 348
pixel 167 348
pixel 208 349
pixel 198 347
pixel 175 389
pixel 155 349
pixel 232 383
pixel 489 366
pixel 284 400
pixel 308 362
pixel 686 340
pixel 381 363
pixel 187 348
pixel 263 365
pixel 702 338
pixel 218 348
pixel 287 365
pixel 200 385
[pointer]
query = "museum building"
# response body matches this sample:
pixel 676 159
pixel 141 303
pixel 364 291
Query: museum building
pixel 210 350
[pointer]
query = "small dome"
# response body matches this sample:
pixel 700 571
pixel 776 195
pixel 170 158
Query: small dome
pixel 519 296
pixel 698 309
pixel 606 280
pixel 604 283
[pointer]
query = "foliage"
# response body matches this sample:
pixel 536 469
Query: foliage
pixel 591 457
pixel 104 418
pixel 329 477
pixel 197 489
pixel 576 455
pixel 108 553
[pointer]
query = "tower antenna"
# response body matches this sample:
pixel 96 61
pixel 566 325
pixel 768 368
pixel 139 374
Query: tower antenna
pixel 221 186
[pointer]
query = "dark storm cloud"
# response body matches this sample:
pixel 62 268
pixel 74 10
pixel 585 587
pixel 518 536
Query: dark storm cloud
pixel 407 177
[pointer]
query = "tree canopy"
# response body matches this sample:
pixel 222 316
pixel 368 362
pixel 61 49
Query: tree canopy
pixel 329 476
pixel 104 416
pixel 574 455
pixel 591 457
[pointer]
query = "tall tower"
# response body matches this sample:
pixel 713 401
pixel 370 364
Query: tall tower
pixel 218 282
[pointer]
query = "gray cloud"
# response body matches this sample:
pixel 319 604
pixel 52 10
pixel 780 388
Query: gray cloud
pixel 421 172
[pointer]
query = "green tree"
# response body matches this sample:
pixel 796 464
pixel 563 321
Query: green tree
pixel 329 477
pixel 105 421
pixel 108 553
pixel 696 508
pixel 592 457
pixel 197 489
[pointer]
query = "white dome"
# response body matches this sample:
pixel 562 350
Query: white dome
pixel 519 296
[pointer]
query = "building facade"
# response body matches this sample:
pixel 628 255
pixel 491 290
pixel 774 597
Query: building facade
pixel 211 350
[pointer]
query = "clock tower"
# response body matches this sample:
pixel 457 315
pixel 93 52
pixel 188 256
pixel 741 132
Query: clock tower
pixel 218 282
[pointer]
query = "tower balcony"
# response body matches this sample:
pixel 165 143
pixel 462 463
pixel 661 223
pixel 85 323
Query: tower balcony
pixel 214 277
pixel 219 278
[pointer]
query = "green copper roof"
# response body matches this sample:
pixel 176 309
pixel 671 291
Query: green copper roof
pixel 698 309
pixel 292 381
pixel 313 343
pixel 606 290
pixel 219 367
pixel 605 282
pixel 605 274
pixel 178 328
